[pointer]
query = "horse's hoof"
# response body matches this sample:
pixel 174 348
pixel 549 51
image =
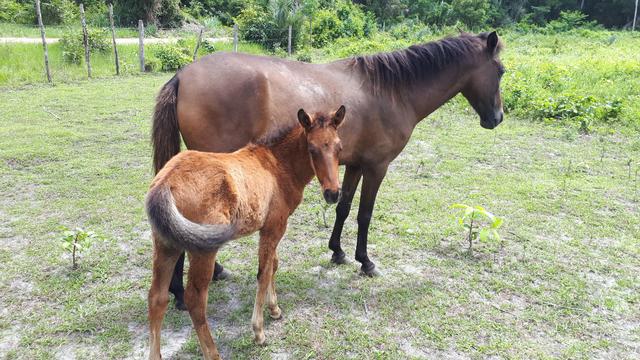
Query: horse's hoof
pixel 222 275
pixel 339 259
pixel 180 305
pixel 370 271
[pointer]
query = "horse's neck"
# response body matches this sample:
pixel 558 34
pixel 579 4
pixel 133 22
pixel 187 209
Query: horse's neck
pixel 293 167
pixel 427 96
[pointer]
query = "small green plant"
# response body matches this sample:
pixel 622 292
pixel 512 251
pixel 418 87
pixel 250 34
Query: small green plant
pixel 73 48
pixel 479 223
pixel 76 240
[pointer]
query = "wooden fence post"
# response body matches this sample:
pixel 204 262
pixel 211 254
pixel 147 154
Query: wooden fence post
pixel 289 42
pixel 235 37
pixel 44 41
pixel 113 37
pixel 85 40
pixel 635 15
pixel 141 44
pixel 195 52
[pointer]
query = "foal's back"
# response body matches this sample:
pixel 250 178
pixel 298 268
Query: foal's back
pixel 215 188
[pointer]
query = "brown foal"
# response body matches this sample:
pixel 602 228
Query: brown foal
pixel 199 201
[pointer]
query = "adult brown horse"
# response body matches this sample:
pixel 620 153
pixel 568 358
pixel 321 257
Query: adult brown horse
pixel 225 100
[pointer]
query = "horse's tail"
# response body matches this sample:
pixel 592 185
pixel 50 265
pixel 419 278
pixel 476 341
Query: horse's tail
pixel 179 231
pixel 165 134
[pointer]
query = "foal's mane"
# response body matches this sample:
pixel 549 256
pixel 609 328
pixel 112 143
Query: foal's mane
pixel 393 70
pixel 273 138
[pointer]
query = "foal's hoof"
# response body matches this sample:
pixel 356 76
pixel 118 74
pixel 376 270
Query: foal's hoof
pixel 259 339
pixel 276 314
pixel 370 270
pixel 180 305
pixel 222 275
pixel 339 259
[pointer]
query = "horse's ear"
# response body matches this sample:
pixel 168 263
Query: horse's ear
pixel 339 116
pixel 304 119
pixel 492 42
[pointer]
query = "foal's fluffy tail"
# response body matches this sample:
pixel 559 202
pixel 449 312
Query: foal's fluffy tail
pixel 167 220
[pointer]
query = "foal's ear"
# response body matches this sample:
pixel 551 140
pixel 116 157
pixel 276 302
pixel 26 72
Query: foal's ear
pixel 304 119
pixel 339 116
pixel 492 42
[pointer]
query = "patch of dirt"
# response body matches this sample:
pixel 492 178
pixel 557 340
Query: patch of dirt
pixel 172 340
pixel 9 340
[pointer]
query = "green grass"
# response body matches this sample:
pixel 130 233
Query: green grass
pixel 564 285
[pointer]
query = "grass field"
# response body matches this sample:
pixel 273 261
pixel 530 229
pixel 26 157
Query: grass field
pixel 564 285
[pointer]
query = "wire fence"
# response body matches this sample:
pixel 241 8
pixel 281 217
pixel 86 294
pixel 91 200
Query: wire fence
pixel 145 35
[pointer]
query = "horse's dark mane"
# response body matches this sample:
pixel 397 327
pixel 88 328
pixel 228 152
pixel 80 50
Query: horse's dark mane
pixel 392 70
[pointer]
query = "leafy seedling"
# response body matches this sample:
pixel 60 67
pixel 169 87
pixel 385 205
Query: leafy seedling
pixel 479 223
pixel 76 240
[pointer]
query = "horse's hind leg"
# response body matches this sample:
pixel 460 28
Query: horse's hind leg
pixel 164 259
pixel 200 272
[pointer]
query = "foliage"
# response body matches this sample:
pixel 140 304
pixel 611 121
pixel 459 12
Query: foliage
pixel 479 223
pixel 73 48
pixel 58 12
pixel 268 25
pixel 345 20
pixel 11 10
pixel 172 57
pixel 75 241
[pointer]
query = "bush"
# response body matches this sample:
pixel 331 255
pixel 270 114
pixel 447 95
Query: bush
pixel 570 20
pixel 73 48
pixel 172 57
pixel 259 25
pixel 11 10
pixel 346 20
pixel 58 12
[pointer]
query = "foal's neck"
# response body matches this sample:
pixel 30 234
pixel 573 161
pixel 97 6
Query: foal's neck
pixel 293 164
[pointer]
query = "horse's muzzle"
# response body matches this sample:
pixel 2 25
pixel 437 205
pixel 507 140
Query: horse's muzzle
pixel 331 196
pixel 492 122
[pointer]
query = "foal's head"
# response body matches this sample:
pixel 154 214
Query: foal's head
pixel 483 88
pixel 324 147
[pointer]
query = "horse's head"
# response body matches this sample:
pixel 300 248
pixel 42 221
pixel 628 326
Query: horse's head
pixel 324 147
pixel 483 88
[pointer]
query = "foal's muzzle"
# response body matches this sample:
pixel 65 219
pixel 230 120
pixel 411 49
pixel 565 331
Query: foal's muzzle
pixel 331 196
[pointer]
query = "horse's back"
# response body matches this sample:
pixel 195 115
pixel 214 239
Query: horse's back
pixel 226 100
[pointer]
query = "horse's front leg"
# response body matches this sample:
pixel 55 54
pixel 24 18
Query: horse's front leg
pixel 352 177
pixel 269 238
pixel 371 183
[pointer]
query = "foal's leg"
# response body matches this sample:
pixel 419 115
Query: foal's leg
pixel 272 298
pixel 164 259
pixel 200 272
pixel 352 177
pixel 269 239
pixel 370 185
